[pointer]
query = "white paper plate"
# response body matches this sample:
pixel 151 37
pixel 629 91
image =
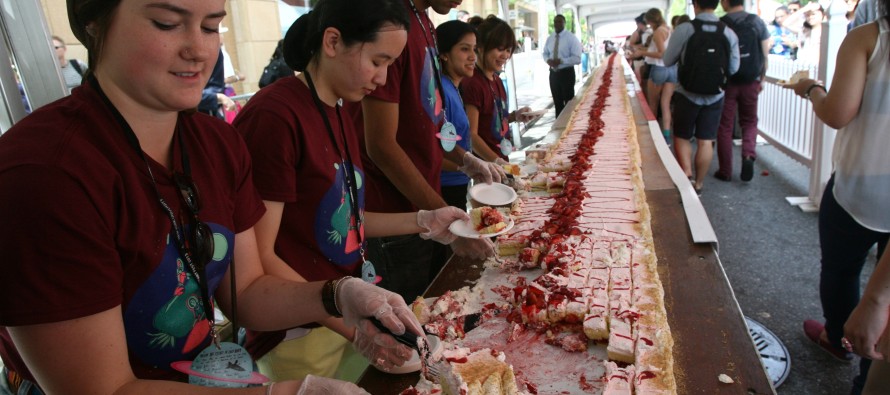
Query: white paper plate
pixel 466 229
pixel 413 364
pixel 494 194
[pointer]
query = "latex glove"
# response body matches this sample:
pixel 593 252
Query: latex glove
pixel 358 299
pixel 480 170
pixel 381 349
pixel 315 385
pixel 436 223
pixel 500 161
pixel 473 248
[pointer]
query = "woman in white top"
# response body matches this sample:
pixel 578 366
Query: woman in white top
pixel 807 24
pixel 662 79
pixel 855 210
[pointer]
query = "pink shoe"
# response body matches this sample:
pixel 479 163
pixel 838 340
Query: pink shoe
pixel 813 330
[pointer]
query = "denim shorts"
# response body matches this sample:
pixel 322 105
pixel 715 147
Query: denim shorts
pixel 659 75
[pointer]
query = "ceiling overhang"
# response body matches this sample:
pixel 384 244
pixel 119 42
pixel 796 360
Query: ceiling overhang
pixel 600 12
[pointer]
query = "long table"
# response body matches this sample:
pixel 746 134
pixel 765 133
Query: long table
pixel 710 334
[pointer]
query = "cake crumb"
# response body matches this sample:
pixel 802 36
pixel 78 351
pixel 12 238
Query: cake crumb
pixel 725 379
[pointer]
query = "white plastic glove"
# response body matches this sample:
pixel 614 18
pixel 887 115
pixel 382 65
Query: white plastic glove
pixel 315 385
pixel 436 223
pixel 358 299
pixel 480 170
pixel 473 248
pixel 381 349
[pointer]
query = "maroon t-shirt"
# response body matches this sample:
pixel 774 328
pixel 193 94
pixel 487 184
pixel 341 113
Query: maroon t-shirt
pixel 83 230
pixel 490 97
pixel 296 162
pixel 410 82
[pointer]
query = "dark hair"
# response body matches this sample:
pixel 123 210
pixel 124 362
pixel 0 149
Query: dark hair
pixel 707 4
pixel 736 3
pixel 475 21
pixel 682 19
pixel 884 8
pixel 641 19
pixel 90 20
pixel 561 16
pixel 449 33
pixel 357 21
pixel 794 2
pixel 494 33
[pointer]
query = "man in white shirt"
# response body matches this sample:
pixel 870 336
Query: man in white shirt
pixel 562 52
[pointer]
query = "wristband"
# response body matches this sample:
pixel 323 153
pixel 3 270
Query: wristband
pixel 329 298
pixel 810 89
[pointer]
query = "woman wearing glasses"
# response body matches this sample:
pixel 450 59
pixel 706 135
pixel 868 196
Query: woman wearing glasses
pixel 124 211
pixel 307 167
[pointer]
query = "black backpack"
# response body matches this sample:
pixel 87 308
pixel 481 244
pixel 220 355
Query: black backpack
pixel 277 67
pixel 750 51
pixel 705 63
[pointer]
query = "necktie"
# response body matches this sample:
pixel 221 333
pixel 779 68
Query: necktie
pixel 555 48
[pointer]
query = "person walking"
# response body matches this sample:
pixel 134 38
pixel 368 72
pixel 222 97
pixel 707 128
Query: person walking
pixel 662 79
pixel 743 89
pixel 708 53
pixel 854 214
pixel 112 306
pixel 562 52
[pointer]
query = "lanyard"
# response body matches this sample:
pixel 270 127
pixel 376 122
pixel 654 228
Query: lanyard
pixel 435 52
pixel 179 236
pixel 498 104
pixel 349 170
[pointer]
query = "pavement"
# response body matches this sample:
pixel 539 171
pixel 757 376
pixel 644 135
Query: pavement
pixel 769 250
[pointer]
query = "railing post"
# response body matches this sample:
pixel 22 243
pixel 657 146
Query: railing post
pixel 833 32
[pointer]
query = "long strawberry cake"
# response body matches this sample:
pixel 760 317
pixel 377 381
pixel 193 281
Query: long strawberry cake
pixel 574 302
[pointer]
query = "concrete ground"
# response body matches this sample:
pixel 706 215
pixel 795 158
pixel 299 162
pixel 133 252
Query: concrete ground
pixel 770 251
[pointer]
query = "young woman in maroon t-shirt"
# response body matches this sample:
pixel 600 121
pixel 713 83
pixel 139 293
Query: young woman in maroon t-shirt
pixel 485 98
pixel 308 170
pixel 110 254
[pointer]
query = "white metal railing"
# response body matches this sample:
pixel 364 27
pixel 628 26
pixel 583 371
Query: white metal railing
pixel 783 118
pixel 789 123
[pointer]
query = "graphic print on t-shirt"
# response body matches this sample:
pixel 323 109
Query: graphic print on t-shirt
pixel 335 222
pixel 165 320
pixel 429 92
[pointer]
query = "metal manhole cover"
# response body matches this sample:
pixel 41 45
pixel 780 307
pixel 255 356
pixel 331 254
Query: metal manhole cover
pixel 772 351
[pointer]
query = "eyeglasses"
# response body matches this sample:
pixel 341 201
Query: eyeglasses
pixel 200 241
